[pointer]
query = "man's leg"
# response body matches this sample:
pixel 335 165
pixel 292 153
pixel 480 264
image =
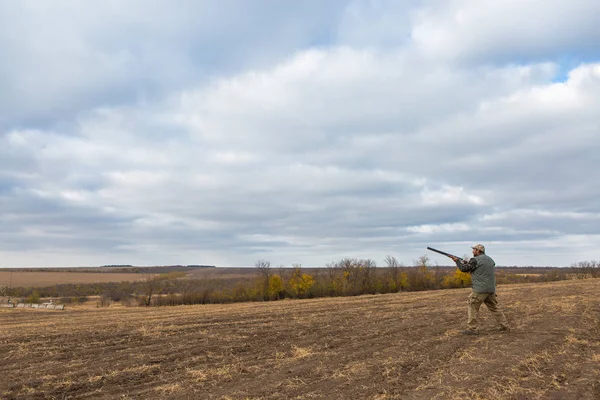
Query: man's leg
pixel 475 300
pixel 492 304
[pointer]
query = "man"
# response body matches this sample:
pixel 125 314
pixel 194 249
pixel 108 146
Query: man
pixel 482 270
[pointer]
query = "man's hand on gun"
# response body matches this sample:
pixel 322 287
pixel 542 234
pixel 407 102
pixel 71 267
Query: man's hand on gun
pixel 458 260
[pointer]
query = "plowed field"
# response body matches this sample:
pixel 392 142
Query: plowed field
pixel 399 346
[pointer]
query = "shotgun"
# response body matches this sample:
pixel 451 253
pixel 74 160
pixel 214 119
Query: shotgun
pixel 445 254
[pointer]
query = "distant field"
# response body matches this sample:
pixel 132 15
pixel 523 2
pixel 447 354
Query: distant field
pixel 43 279
pixel 224 273
pixel 397 346
pixel 57 277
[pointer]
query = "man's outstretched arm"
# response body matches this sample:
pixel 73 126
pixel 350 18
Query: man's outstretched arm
pixel 466 266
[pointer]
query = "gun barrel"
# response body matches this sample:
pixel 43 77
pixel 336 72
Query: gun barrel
pixel 442 252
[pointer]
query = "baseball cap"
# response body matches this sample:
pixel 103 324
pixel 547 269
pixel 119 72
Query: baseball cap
pixel 479 247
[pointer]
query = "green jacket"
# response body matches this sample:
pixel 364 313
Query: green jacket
pixel 482 269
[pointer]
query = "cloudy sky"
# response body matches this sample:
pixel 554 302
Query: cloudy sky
pixel 222 132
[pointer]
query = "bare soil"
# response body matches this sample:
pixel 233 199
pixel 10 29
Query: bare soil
pixel 398 346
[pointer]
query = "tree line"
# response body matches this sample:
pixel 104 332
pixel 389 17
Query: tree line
pixel 346 277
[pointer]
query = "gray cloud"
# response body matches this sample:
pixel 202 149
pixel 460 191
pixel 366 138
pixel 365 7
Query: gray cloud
pixel 369 145
pixel 68 56
pixel 508 32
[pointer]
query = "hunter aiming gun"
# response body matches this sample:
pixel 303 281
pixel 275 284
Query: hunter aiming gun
pixel 445 254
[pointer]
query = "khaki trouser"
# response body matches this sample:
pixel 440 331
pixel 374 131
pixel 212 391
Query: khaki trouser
pixel 489 299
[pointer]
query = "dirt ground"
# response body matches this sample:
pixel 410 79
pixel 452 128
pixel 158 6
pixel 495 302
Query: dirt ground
pixel 398 346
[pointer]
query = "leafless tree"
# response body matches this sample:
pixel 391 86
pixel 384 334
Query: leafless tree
pixel 394 270
pixel 151 286
pixel 264 269
pixel 367 270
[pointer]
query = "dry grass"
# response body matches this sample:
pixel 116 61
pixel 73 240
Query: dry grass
pixel 398 346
